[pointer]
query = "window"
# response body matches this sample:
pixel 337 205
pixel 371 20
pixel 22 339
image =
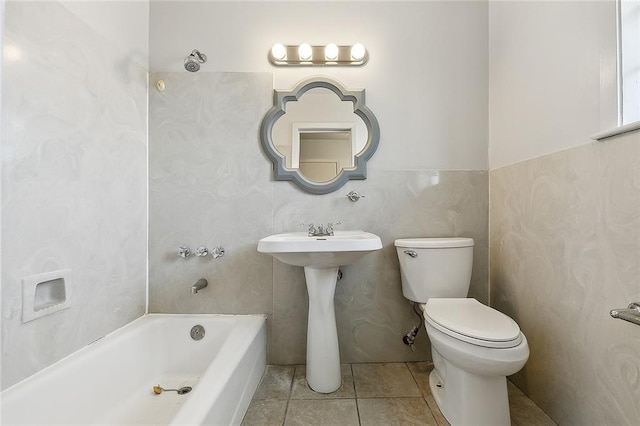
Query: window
pixel 629 60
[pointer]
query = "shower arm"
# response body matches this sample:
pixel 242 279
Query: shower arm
pixel 200 57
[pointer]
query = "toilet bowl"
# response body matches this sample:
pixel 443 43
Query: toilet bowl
pixel 473 346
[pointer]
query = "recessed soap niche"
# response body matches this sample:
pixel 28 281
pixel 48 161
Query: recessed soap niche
pixel 44 294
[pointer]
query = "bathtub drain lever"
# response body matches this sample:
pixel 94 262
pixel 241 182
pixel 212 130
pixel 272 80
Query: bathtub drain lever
pixel 157 389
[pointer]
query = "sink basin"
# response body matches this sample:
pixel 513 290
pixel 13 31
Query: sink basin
pixel 321 257
pixel 298 249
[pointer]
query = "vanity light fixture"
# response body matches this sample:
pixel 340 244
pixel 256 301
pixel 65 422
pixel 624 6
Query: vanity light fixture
pixel 357 52
pixel 313 55
pixel 305 52
pixel 279 52
pixel 331 52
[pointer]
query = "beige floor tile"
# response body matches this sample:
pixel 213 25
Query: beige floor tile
pixel 435 410
pixel 265 412
pixel 525 412
pixel 276 382
pixel 384 380
pixel 420 372
pixel 301 389
pixel 387 394
pixel 394 411
pixel 322 412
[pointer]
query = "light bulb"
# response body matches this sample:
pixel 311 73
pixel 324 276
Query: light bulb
pixel 357 51
pixel 331 51
pixel 305 51
pixel 278 51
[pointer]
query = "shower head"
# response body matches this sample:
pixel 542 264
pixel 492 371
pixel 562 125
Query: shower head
pixel 193 61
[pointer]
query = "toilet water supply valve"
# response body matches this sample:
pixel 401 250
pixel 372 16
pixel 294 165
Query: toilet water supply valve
pixel 410 337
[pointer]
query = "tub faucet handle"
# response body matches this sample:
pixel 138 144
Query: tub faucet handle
pixel 217 252
pixel 184 251
pixel 202 251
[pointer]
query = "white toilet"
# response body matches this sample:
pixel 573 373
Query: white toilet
pixel 474 347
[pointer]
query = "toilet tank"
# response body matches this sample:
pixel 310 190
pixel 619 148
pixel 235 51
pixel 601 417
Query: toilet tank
pixel 435 267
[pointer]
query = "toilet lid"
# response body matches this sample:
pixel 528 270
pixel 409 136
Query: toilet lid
pixel 471 321
pixel 434 242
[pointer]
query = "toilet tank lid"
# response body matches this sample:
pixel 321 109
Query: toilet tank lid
pixel 471 318
pixel 434 242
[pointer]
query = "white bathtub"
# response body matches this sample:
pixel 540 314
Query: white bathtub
pixel 111 380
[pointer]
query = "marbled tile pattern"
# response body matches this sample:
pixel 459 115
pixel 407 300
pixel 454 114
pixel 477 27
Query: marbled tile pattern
pixel 211 184
pixel 278 402
pixel 565 249
pixel 372 314
pixel 74 182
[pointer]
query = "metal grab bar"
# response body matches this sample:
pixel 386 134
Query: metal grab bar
pixel 631 314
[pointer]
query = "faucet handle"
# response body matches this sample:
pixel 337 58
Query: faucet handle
pixel 310 227
pixel 217 252
pixel 202 251
pixel 184 251
pixel 329 229
pixel 354 196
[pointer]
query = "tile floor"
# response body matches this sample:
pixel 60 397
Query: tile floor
pixel 371 394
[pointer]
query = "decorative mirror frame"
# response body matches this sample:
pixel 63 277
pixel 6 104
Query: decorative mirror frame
pixel 281 172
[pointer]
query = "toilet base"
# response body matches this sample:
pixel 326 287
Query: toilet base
pixel 470 399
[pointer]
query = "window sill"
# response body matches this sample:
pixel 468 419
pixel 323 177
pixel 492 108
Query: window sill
pixel 616 131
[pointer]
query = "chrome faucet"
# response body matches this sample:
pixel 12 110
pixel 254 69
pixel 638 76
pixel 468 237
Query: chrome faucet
pixel 202 283
pixel 320 230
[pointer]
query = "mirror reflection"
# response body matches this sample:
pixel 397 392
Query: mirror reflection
pixel 319 135
pixel 323 155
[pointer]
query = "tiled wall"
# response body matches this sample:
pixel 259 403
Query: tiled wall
pixel 73 182
pixel 565 249
pixel 211 184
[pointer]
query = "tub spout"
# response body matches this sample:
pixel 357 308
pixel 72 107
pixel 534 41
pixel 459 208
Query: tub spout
pixel 202 283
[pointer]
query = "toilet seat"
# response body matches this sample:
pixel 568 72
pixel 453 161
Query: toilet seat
pixel 468 320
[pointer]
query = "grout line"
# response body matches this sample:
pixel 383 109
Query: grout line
pixel 424 397
pixel 355 393
pixel 286 409
pixel 415 380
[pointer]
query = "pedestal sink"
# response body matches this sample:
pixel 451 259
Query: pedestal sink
pixel 321 256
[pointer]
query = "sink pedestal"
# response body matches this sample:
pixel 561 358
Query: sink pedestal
pixel 321 255
pixel 323 355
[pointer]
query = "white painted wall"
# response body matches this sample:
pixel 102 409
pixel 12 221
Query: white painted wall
pixel 123 23
pixel 551 80
pixel 426 79
pixel 630 35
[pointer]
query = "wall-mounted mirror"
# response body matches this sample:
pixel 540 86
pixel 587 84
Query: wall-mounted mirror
pixel 319 135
